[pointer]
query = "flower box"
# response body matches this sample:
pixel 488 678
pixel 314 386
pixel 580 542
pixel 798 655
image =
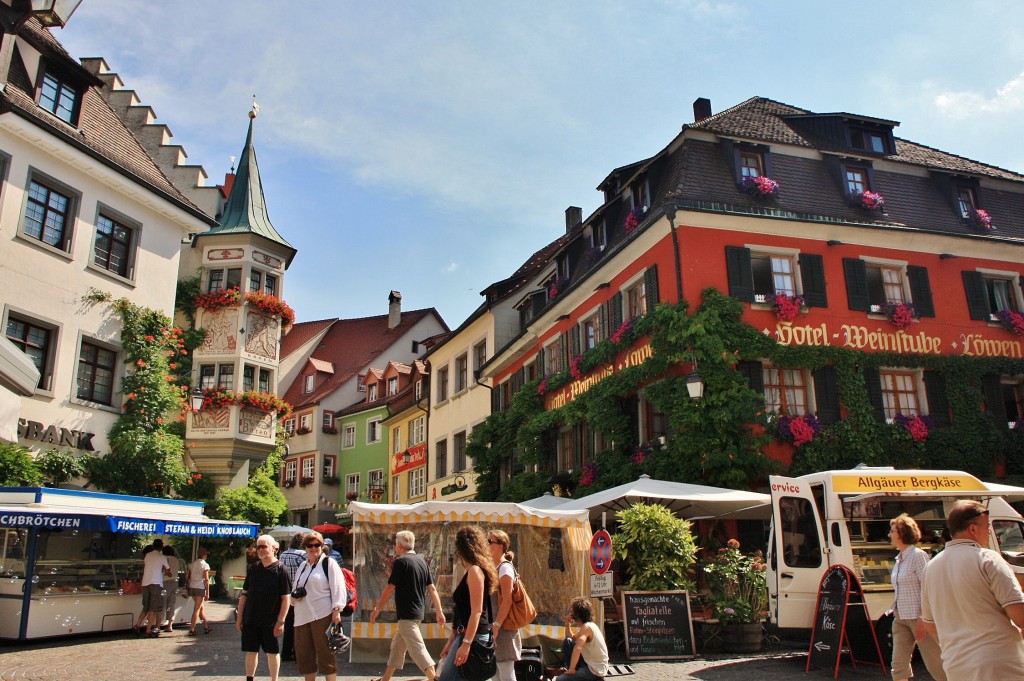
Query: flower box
pixel 787 307
pixel 1011 321
pixel 634 218
pixel 330 430
pixel 868 200
pixel 761 187
pixel 303 431
pixel 901 315
pixel 351 496
pixel 288 484
pixel 330 480
pixel 306 481
pixel 980 219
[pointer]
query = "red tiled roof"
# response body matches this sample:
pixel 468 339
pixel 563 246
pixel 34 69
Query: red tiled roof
pixel 301 333
pixel 350 344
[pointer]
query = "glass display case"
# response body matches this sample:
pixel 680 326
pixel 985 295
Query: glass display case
pixel 57 577
pixel 868 523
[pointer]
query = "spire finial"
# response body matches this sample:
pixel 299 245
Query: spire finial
pixel 255 108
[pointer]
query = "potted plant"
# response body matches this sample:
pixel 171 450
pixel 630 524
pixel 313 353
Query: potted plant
pixel 797 430
pixel 303 430
pixel 739 596
pixel 351 496
pixel 634 218
pixel 868 200
pixel 289 483
pixel 331 480
pixel 787 307
pixel 305 481
pixel 1011 321
pixel 980 219
pixel 330 430
pixel 657 547
pixel 760 187
pixel 917 426
pixel 900 314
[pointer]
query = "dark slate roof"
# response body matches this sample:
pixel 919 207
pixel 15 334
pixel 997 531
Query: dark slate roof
pixel 100 133
pixel 349 345
pixel 246 208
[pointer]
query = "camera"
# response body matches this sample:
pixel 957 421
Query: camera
pixel 299 592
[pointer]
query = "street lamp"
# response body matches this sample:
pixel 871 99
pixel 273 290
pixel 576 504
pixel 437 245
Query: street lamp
pixel 197 399
pixel 695 385
pixel 54 12
pixel 406 457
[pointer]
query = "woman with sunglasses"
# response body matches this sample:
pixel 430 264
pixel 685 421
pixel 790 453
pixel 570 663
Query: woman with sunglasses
pixel 508 644
pixel 318 596
pixel 473 615
pixel 262 608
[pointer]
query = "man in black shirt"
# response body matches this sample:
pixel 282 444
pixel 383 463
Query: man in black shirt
pixel 262 607
pixel 410 581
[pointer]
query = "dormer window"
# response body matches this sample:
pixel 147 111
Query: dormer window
pixel 856 180
pixel 641 195
pixel 965 201
pixel 59 97
pixel 751 164
pixel 868 140
pixel 393 386
pixel 371 393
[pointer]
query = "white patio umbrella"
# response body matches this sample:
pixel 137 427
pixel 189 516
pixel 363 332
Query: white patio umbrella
pixel 286 532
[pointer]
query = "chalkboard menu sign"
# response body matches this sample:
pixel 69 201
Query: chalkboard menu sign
pixel 657 625
pixel 842 622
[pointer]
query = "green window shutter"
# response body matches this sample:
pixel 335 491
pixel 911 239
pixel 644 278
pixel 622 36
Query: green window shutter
pixel 856 274
pixel 651 287
pixel 741 276
pixel 826 394
pixel 873 384
pixel 920 291
pixel 992 388
pixel 616 311
pixel 977 295
pixel 754 371
pixel 812 275
pixel 938 403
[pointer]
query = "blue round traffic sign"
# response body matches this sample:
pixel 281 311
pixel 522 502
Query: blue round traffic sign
pixel 601 552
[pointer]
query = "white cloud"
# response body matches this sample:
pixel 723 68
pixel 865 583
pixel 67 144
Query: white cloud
pixel 1007 99
pixel 450 267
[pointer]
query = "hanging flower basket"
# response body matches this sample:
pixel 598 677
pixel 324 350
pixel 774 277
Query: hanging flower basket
pixel 868 200
pixel 917 426
pixel 797 430
pixel 216 398
pixel 634 218
pixel 272 305
pixel 900 314
pixel 1011 321
pixel 763 188
pixel 787 307
pixel 980 219
pixel 351 496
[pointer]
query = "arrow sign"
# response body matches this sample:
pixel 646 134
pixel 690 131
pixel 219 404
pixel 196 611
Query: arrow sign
pixel 601 552
pixel 822 646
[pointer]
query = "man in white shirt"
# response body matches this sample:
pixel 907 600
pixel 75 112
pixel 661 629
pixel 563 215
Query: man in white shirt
pixel 154 567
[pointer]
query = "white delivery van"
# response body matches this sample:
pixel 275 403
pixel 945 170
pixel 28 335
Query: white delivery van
pixel 842 518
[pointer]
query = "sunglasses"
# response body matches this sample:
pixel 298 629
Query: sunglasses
pixel 313 546
pixel 976 514
pixel 494 541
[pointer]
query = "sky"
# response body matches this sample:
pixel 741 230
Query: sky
pixel 432 147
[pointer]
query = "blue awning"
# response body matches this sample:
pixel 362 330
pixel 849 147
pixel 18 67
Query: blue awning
pixel 49 520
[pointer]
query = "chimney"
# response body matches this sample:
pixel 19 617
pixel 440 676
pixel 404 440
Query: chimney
pixel 701 109
pixel 573 217
pixel 394 309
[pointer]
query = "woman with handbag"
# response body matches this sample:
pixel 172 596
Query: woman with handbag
pixel 318 596
pixel 508 644
pixel 471 626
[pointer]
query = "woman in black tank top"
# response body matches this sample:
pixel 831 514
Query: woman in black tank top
pixel 472 617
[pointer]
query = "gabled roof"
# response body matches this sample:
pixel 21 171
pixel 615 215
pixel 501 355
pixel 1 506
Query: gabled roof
pixel 348 345
pixel 301 333
pixel 100 133
pixel 321 365
pixel 246 209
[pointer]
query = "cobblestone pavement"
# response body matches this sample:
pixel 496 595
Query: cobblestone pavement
pixel 216 657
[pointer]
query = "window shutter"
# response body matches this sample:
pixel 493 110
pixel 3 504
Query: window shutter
pixel 812 273
pixel 826 394
pixel 992 388
pixel 616 311
pixel 565 351
pixel 938 404
pixel 977 296
pixel 541 366
pixel 920 291
pixel 574 341
pixel 754 372
pixel 518 378
pixel 873 384
pixel 496 400
pixel 651 287
pixel 522 318
pixel 741 277
pixel 606 331
pixel 856 273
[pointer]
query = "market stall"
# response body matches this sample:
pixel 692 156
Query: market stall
pixel 552 556
pixel 69 562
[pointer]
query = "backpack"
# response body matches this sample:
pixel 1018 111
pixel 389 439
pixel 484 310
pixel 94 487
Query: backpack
pixel 350 588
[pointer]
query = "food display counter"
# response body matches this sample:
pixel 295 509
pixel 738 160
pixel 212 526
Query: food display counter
pixel 71 560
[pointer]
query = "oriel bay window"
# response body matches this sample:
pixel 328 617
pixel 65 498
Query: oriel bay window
pixel 224 279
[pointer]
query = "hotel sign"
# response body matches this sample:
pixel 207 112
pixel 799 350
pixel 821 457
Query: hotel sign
pixel 577 387
pixel 883 340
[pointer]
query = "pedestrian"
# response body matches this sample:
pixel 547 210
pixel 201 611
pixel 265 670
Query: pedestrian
pixel 473 614
pixel 170 587
pixel 291 558
pixel 154 567
pixel 907 627
pixel 319 594
pixel 262 607
pixel 508 644
pixel 197 578
pixel 585 653
pixel 410 581
pixel 329 550
pixel 971 598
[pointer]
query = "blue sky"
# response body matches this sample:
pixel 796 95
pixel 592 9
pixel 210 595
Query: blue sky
pixel 431 147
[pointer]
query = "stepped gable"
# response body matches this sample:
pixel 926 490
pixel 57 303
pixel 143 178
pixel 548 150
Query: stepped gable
pixel 349 345
pixel 100 132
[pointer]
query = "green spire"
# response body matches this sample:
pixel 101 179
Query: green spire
pixel 246 209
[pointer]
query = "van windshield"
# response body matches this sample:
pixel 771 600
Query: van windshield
pixel 868 519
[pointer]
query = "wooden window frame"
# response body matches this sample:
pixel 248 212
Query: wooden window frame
pixel 61 85
pixel 751 163
pixel 47 350
pixel 96 366
pixel 781 381
pixel 106 229
pixel 897 396
pixel 348 436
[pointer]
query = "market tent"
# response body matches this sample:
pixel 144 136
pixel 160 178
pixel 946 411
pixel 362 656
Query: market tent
pixel 684 499
pixel 547 500
pixel 551 546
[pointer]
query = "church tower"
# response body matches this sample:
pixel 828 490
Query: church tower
pixel 242 266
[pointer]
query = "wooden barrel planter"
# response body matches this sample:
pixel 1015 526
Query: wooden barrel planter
pixel 742 637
